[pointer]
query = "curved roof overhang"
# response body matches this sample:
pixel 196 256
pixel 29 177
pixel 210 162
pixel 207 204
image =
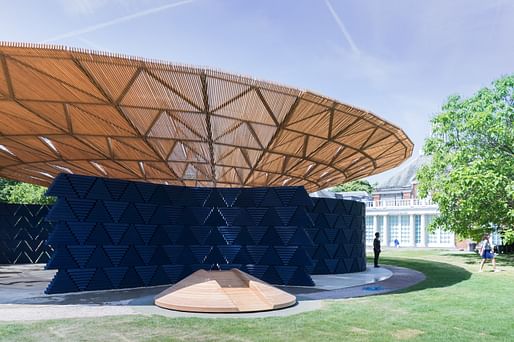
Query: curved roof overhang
pixel 76 111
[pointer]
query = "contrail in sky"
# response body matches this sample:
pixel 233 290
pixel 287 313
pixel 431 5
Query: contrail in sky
pixel 339 22
pixel 117 21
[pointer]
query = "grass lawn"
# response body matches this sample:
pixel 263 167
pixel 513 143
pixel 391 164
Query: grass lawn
pixel 454 303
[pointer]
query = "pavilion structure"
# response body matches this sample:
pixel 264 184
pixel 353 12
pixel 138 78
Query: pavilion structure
pixel 164 170
pixel 75 111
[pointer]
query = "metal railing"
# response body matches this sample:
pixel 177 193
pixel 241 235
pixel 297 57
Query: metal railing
pixel 400 203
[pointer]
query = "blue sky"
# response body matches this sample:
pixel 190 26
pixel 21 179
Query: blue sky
pixel 399 58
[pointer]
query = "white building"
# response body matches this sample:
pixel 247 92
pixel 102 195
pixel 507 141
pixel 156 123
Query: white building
pixel 395 211
pixel 406 220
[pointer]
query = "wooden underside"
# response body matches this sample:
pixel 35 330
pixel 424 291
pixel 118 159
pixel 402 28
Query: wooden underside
pixel 223 291
pixel 74 111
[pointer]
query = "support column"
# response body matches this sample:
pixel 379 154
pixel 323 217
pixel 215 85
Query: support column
pixel 423 242
pixel 375 225
pixel 412 226
pixel 385 238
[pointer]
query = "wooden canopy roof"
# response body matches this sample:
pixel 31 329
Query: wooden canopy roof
pixel 76 111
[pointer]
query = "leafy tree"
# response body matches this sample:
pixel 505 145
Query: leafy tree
pixel 4 189
pixel 471 175
pixel 23 193
pixel 358 185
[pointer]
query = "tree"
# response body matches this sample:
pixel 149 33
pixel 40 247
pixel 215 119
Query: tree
pixel 359 185
pixel 471 175
pixel 23 193
pixel 4 189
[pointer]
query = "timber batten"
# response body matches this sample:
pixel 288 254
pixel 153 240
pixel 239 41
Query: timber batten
pixel 76 111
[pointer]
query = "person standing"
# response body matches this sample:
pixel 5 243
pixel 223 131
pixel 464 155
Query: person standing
pixel 376 248
pixel 487 253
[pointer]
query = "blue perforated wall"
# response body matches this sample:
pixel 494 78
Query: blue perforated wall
pixel 339 236
pixel 23 234
pixel 118 234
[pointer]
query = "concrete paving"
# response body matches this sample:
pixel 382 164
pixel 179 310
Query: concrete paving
pixel 22 295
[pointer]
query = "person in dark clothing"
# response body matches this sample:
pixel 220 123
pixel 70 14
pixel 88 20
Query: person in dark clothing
pixel 376 248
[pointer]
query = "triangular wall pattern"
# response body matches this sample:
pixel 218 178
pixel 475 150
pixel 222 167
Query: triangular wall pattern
pixel 24 232
pixel 158 234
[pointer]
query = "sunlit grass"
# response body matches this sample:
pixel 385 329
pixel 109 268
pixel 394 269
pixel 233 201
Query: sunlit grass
pixel 454 303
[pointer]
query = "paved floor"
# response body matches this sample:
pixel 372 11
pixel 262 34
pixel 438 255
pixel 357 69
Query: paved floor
pixel 22 295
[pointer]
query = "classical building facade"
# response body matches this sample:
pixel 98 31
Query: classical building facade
pixel 395 211
pixel 406 220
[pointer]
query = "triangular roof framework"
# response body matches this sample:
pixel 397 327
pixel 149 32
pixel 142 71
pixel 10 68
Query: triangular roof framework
pixel 76 111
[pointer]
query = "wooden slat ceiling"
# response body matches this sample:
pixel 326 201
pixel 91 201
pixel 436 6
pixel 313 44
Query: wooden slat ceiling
pixel 75 111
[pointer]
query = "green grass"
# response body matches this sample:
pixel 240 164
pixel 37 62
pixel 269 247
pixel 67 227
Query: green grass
pixel 454 303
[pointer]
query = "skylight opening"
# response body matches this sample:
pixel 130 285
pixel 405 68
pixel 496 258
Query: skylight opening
pixel 62 168
pixel 6 150
pixel 190 172
pixel 323 174
pixel 99 167
pixel 49 143
pixel 142 167
pixel 285 181
pixel 183 149
pixel 46 174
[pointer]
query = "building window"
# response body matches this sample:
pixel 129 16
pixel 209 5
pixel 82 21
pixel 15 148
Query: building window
pixel 446 237
pixel 433 237
pixel 390 197
pixel 417 226
pixel 394 228
pixel 370 234
pixel 380 226
pixel 404 230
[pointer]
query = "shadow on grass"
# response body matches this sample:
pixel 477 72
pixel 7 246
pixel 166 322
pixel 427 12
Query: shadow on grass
pixel 438 274
pixel 474 258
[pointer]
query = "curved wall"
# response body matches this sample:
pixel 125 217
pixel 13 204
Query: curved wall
pixel 23 234
pixel 118 234
pixel 339 235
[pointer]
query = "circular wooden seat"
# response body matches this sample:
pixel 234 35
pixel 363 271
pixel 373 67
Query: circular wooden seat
pixel 223 291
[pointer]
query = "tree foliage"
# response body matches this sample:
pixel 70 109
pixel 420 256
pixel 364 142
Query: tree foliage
pixel 358 185
pixel 5 185
pixel 23 193
pixel 471 175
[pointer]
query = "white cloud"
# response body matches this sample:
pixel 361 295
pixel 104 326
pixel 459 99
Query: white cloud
pixel 343 29
pixel 116 21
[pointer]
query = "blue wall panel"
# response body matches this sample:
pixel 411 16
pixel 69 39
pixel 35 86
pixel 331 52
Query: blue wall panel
pixel 23 234
pixel 118 234
pixel 338 235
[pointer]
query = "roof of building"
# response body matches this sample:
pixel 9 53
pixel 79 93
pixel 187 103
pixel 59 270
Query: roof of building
pixel 354 193
pixel 326 193
pixel 76 111
pixel 405 176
